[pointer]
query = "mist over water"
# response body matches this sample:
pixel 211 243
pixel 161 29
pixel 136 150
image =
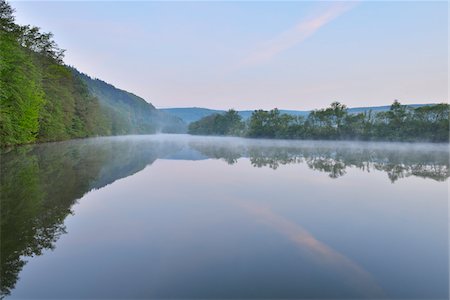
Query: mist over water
pixel 178 216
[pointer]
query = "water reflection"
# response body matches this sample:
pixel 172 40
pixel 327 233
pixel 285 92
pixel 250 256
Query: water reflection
pixel 349 272
pixel 40 184
pixel 397 160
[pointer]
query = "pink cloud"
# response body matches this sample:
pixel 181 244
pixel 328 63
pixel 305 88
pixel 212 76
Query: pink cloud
pixel 296 34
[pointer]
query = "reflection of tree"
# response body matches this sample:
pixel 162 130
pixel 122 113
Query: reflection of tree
pixel 335 168
pixel 430 171
pixel 40 184
pixel 267 157
pixel 335 158
pixel 230 155
pixel 395 172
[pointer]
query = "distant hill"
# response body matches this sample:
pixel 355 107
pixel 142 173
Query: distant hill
pixel 356 110
pixel 129 113
pixel 192 114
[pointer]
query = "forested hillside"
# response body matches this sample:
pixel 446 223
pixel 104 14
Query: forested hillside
pixel 41 99
pixel 128 113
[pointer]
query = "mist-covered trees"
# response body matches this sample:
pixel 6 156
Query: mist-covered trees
pixel 400 123
pixel 128 113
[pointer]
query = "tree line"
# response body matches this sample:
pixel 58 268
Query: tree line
pixel 400 123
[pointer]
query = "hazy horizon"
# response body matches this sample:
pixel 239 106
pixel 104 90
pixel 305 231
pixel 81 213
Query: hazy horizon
pixel 251 55
pixel 282 108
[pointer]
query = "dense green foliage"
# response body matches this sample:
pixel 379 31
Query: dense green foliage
pixel 229 123
pixel 41 99
pixel 400 123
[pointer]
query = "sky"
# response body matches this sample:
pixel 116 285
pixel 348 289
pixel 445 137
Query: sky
pixel 255 55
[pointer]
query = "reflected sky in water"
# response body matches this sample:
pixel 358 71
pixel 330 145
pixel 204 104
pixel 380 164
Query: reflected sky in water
pixel 175 216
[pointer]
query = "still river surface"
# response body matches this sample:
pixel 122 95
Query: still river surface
pixel 176 216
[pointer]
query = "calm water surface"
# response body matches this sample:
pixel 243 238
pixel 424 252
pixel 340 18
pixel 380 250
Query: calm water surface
pixel 175 216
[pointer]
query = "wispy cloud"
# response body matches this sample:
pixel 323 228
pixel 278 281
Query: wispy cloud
pixel 297 34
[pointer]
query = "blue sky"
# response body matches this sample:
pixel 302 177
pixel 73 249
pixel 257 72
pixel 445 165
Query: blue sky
pixel 248 55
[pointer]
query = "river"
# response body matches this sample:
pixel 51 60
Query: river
pixel 178 216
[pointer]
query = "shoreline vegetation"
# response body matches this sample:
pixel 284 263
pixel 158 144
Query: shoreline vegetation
pixel 401 123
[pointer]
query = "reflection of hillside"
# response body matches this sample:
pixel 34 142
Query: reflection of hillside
pixel 40 184
pixel 335 159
